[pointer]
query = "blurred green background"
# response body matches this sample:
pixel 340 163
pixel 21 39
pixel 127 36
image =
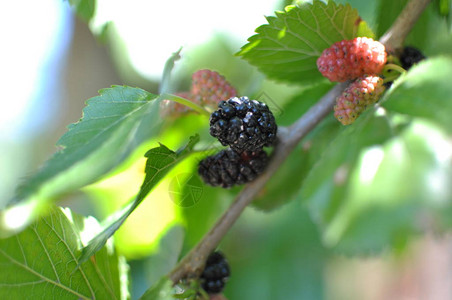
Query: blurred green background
pixel 53 62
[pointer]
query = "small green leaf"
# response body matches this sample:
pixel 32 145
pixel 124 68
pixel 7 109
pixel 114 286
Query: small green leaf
pixel 85 9
pixel 39 262
pixel 169 65
pixel 425 92
pixel 113 125
pixel 288 46
pixel 160 161
pixel 162 290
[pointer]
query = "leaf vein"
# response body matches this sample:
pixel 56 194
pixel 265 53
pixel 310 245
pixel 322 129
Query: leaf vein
pixel 48 280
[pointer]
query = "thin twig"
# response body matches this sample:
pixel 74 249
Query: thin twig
pixel 396 35
pixel 193 262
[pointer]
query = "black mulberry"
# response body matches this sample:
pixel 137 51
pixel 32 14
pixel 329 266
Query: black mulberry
pixel 410 56
pixel 215 274
pixel 228 167
pixel 243 124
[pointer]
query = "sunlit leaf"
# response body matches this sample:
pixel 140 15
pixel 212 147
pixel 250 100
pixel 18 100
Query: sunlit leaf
pixel 393 188
pixel 425 92
pixel 113 125
pixel 160 161
pixel 288 46
pixel 40 262
pixel 327 184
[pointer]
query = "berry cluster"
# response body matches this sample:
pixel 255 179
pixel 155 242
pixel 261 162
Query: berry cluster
pixel 208 89
pixel 246 126
pixel 215 274
pixel 361 60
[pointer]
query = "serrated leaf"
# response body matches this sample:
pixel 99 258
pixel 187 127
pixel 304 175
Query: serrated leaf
pixel 160 161
pixel 113 125
pixel 425 92
pixel 162 290
pixel 39 263
pixel 85 9
pixel 287 48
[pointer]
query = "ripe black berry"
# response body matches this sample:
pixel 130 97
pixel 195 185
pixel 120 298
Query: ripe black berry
pixel 243 124
pixel 410 56
pixel 228 167
pixel 215 274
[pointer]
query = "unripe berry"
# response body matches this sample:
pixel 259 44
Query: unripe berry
pixel 347 60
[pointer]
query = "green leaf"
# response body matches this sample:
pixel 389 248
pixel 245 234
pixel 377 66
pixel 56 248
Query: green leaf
pixel 85 9
pixel 113 125
pixel 366 9
pixel 169 66
pixel 39 262
pixel 287 48
pixel 160 161
pixel 327 184
pixel 162 290
pixel 393 185
pixel 425 92
pixel 374 181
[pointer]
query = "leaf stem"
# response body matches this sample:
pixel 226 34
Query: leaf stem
pixel 394 67
pixel 191 265
pixel 188 103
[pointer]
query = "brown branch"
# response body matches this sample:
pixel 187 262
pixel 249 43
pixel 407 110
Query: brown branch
pixel 192 264
pixel 396 35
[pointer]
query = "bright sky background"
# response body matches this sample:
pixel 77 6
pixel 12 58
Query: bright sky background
pixel 36 36
pixel 152 30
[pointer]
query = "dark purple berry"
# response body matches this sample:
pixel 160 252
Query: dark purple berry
pixel 215 274
pixel 228 167
pixel 410 56
pixel 243 124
